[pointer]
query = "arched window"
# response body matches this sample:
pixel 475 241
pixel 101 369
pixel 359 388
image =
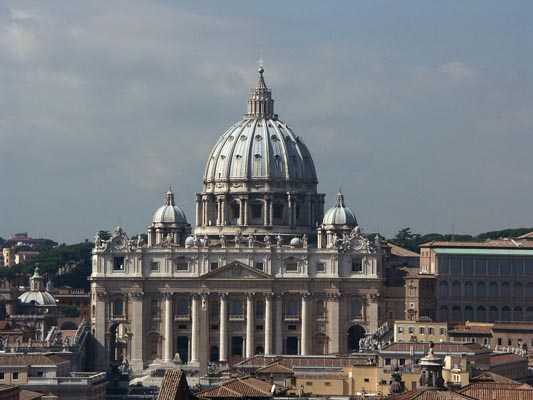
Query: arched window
pixel 443 313
pixel 518 314
pixel 469 290
pixel 506 290
pixel 493 290
pixel 481 314
pixel 518 290
pixel 456 313
pixel 256 212
pixel 456 289
pixel 493 313
pixel 481 289
pixel 506 313
pixel 469 313
pixel 443 289
pixel 529 289
pixel 529 314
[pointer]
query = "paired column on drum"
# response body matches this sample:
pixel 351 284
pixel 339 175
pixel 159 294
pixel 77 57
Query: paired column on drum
pixel 250 325
pixel 168 328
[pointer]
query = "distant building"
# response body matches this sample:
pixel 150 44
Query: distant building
pixel 481 281
pixel 51 374
pixel 420 331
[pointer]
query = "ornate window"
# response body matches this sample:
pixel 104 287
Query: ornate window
pixel 154 266
pixel 181 264
pixel 493 313
pixel 236 309
pixel 292 309
pixel 443 289
pixel 118 264
pixel 357 264
pixel 118 308
pixel 320 267
pixel 182 308
pixel 321 309
pixel 259 309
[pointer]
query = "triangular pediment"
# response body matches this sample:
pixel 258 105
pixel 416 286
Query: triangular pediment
pixel 236 270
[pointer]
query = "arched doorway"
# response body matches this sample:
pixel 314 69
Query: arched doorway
pixel 214 354
pixel 355 333
pixel 291 345
pixel 182 348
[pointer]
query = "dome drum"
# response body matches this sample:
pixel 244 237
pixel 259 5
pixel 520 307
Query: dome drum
pixel 259 177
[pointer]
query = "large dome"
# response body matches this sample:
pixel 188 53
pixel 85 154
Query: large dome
pixel 37 295
pixel 260 147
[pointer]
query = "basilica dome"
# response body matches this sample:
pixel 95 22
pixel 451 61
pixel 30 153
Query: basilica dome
pixel 340 215
pixel 169 213
pixel 260 147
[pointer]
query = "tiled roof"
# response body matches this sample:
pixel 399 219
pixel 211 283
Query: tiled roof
pixel 401 251
pixel 471 329
pixel 460 348
pixel 29 395
pixel 333 377
pixel 174 386
pixel 275 368
pixel 498 391
pixel 244 387
pixel 425 394
pixel 306 361
pixel 498 359
pixel 489 377
pixel 31 359
pixel 496 243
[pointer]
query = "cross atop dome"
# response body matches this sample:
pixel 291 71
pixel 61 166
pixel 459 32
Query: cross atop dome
pixel 260 103
pixel 339 200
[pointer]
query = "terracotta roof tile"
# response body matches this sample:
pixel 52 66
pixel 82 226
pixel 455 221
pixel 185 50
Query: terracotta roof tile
pixel 425 394
pixel 174 386
pixel 498 359
pixel 418 347
pixel 31 359
pixel 496 243
pixel 275 368
pixel 29 395
pixel 243 387
pixel 498 391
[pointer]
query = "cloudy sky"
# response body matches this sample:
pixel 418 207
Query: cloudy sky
pixel 422 111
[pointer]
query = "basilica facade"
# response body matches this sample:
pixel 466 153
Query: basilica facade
pixel 265 270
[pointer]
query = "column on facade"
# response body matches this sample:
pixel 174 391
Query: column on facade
pixel 137 317
pixel 305 329
pixel 309 203
pixel 223 328
pixel 203 334
pixel 168 328
pixel 268 324
pixel 372 312
pixel 333 323
pixel 250 326
pixel 278 324
pixel 100 328
pixel 195 329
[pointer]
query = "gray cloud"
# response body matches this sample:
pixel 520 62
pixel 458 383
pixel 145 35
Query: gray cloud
pixel 105 104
